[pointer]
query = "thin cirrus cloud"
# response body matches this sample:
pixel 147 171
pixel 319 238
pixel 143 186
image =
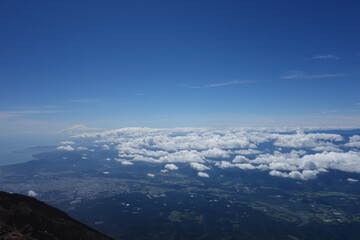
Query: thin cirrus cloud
pixel 9 114
pixel 303 75
pixel 213 85
pixel 325 56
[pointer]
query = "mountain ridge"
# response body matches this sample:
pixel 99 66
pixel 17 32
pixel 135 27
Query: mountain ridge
pixel 26 218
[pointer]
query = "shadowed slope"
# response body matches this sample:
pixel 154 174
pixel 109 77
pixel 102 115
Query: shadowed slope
pixel 23 217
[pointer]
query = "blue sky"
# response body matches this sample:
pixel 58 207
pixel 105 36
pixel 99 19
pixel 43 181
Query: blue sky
pixel 109 64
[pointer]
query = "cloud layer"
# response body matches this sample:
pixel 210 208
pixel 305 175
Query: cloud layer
pixel 288 153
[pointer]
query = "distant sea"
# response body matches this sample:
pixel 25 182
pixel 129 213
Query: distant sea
pixel 21 148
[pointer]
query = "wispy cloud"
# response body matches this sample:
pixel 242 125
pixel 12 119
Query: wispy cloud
pixel 78 128
pixel 9 114
pixel 343 111
pixel 325 56
pixel 330 111
pixel 236 82
pixel 83 100
pixel 303 75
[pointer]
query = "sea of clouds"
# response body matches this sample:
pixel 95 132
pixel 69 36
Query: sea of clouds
pixel 283 153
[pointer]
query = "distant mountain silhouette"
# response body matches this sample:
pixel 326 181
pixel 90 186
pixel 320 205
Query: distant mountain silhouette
pixel 26 218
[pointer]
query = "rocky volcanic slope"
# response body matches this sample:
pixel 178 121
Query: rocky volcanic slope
pixel 25 218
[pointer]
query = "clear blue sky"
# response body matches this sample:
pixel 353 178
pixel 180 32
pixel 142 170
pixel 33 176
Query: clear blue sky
pixel 178 63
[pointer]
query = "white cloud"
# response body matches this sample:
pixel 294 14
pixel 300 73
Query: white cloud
pixel 78 128
pixel 262 167
pixel 200 147
pixel 67 143
pixel 127 163
pixel 281 166
pixel 248 152
pixel 215 153
pixel 225 164
pixel 66 148
pixel 82 149
pixel 276 173
pixel 352 180
pixel 277 157
pixel 327 148
pixel 240 159
pixel 105 147
pixel 304 175
pixel 31 193
pixel 319 162
pixel 150 175
pixel 171 167
pixel 202 174
pixel 354 141
pixel 355 138
pixel 245 166
pixel 302 140
pixel 348 162
pixel 326 56
pixel 199 166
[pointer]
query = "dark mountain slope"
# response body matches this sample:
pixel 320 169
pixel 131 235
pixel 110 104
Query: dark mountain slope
pixel 23 217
